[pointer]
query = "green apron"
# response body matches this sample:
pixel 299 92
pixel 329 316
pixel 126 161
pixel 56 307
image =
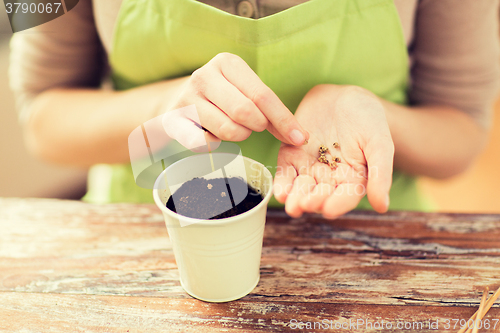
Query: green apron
pixel 356 42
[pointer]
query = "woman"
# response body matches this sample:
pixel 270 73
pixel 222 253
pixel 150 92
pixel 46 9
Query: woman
pixel 341 65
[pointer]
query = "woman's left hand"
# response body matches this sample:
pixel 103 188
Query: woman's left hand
pixel 354 118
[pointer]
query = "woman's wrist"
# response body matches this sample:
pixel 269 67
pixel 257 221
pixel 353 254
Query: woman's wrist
pixel 436 141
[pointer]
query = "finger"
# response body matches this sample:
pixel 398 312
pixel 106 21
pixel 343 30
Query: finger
pixel 187 132
pixel 187 125
pixel 313 202
pixel 379 156
pixel 344 199
pixel 233 103
pixel 323 173
pixel 302 186
pixel 284 125
pixel 211 141
pixel 219 124
pixel 283 181
pixel 285 174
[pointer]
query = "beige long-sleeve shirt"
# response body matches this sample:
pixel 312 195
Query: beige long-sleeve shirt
pixel 453 46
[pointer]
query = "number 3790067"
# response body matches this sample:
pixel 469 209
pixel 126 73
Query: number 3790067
pixel 471 323
pixel 23 7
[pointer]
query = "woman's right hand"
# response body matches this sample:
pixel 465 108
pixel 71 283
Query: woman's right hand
pixel 231 101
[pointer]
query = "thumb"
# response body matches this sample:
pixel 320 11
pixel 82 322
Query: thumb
pixel 379 155
pixel 179 125
pixel 183 125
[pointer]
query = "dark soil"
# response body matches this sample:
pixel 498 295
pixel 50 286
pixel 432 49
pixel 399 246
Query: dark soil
pixel 213 198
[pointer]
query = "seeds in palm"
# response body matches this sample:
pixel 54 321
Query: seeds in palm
pixel 323 159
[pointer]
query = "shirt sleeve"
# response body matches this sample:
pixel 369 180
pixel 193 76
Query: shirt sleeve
pixel 65 52
pixel 456 53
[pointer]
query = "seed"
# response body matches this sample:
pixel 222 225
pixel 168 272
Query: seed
pixel 306 142
pixel 337 159
pixel 322 149
pixel 210 186
pixel 223 194
pixel 322 158
pixel 336 145
pixel 332 165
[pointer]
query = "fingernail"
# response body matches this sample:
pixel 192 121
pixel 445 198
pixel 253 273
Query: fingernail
pixel 297 137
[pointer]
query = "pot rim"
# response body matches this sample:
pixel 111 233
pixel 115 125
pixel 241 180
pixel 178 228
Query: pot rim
pixel 225 220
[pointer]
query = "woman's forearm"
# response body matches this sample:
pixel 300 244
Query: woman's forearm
pixel 83 127
pixel 434 141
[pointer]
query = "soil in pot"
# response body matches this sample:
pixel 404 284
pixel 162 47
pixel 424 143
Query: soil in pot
pixel 206 198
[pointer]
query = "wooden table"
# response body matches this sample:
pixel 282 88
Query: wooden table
pixel 68 266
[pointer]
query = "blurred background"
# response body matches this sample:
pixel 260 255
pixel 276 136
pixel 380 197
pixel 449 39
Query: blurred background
pixel 477 190
pixel 21 174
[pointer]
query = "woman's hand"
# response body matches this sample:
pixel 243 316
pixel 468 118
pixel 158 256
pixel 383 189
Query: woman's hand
pixel 354 118
pixel 231 101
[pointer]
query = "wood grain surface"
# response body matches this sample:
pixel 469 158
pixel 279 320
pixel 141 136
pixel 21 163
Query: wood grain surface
pixel 68 266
